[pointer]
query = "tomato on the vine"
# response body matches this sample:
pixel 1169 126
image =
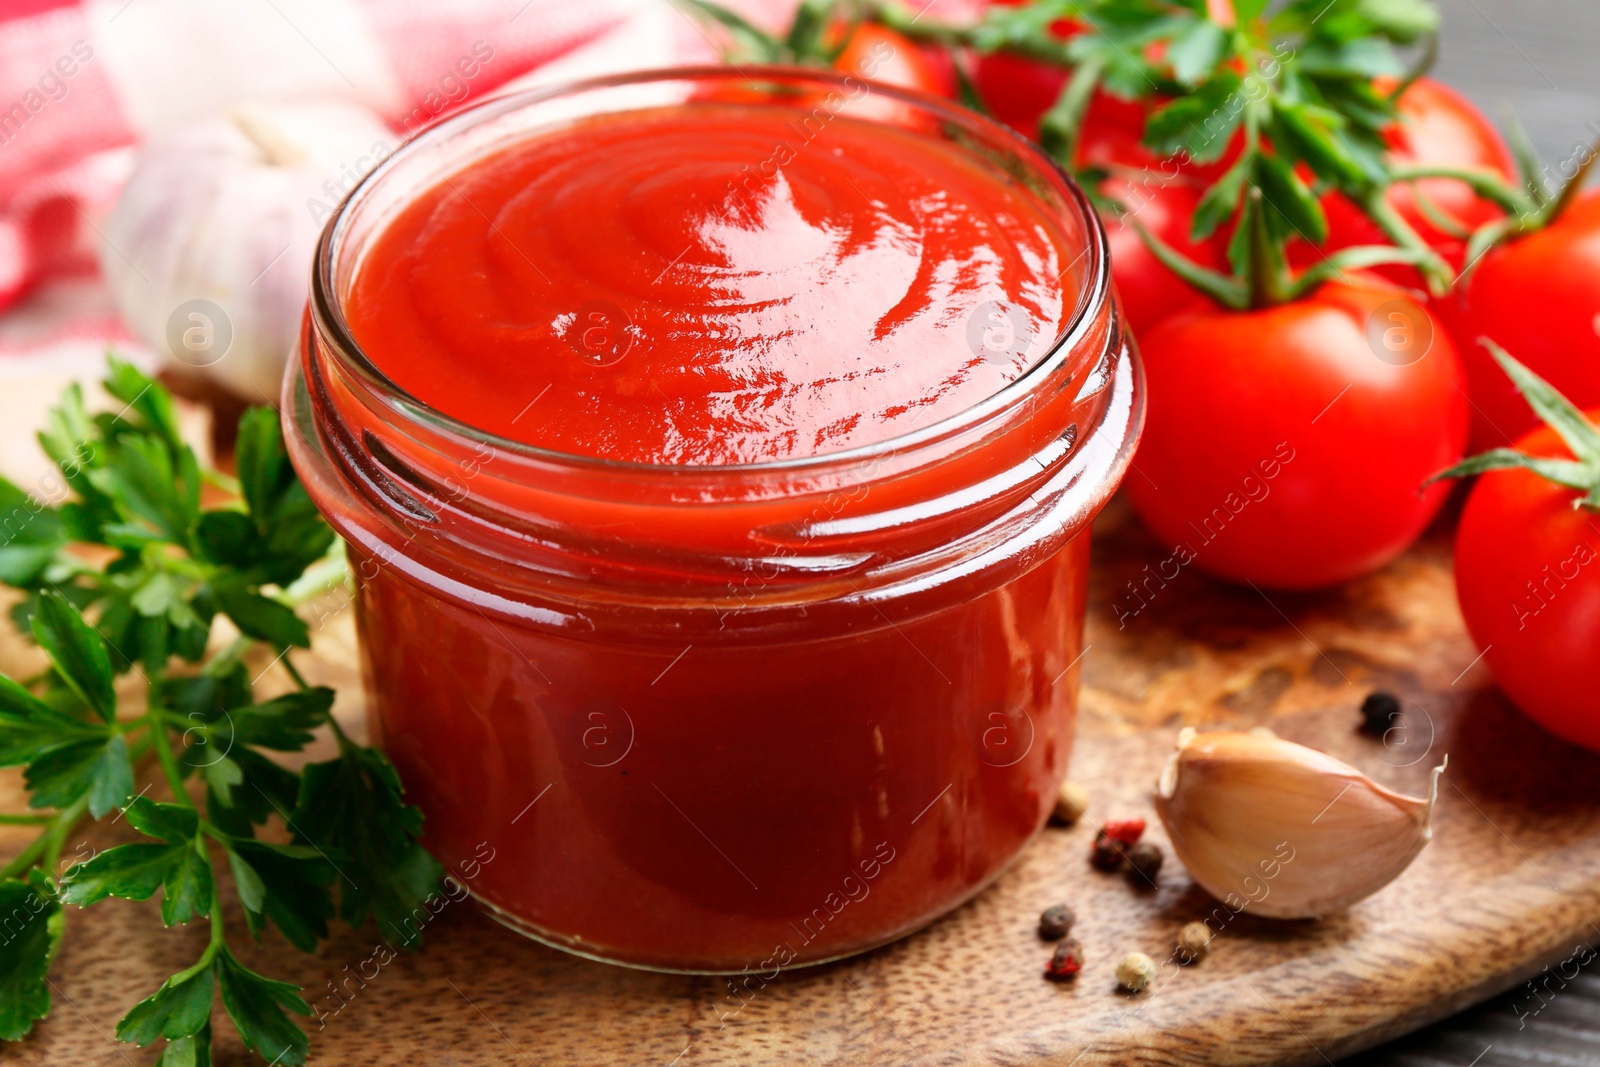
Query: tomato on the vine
pixel 1437 127
pixel 1281 449
pixel 1149 290
pixel 1528 578
pixel 1539 297
pixel 1440 126
pixel 1018 91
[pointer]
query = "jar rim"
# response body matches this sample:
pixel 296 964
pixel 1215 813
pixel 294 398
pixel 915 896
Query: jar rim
pixel 327 311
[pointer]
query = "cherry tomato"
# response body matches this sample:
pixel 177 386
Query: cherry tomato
pixel 876 54
pixel 880 54
pixel 1438 126
pixel 1538 297
pixel 942 66
pixel 1149 291
pixel 1528 578
pixel 1018 91
pixel 1280 449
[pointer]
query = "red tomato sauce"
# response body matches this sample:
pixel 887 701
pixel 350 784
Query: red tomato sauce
pixel 719 315
pixel 708 718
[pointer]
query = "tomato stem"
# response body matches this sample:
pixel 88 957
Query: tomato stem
pixel 1042 47
pixel 1419 68
pixel 1529 210
pixel 1061 126
pixel 1357 257
pixel 1556 411
pixel 747 41
pixel 810 24
pixel 1435 271
pixel 1266 275
pixel 1486 183
pixel 1224 289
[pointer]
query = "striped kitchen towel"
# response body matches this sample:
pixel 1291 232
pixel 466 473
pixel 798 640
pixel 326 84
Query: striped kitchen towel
pixel 83 81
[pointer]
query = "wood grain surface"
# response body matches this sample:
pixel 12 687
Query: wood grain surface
pixel 1510 884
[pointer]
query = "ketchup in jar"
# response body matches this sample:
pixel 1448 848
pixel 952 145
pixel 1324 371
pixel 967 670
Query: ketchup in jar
pixel 716 457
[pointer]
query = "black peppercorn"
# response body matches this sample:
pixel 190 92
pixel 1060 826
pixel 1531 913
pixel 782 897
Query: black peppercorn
pixel 1107 853
pixel 1144 864
pixel 1055 922
pixel 1378 713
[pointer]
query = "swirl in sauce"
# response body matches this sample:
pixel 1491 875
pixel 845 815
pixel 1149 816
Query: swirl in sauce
pixel 712 283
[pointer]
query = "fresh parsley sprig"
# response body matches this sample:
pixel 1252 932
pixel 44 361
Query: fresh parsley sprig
pixel 128 574
pixel 1296 88
pixel 1288 88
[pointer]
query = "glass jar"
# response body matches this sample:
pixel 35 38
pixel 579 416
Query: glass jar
pixel 721 718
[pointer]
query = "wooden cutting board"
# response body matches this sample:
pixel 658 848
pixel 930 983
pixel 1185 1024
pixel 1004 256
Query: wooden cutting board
pixel 1511 882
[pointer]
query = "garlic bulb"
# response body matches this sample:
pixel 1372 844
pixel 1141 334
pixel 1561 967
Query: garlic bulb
pixel 208 250
pixel 1284 831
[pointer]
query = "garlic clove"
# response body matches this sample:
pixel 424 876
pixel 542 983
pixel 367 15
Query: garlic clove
pixel 1284 831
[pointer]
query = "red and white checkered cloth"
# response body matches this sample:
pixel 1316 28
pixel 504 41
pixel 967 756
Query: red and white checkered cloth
pixel 83 81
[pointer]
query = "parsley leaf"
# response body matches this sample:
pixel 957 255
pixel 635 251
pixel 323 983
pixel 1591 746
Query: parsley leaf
pixel 188 1051
pixel 143 476
pixel 354 805
pixel 246 788
pixel 99 768
pixel 206 696
pixel 78 654
pixel 257 1005
pixel 283 724
pixel 287 884
pixel 180 1008
pixel 265 476
pixel 149 406
pixel 31 534
pixel 34 924
pixel 283 532
pixel 29 727
pixel 178 867
pixel 262 617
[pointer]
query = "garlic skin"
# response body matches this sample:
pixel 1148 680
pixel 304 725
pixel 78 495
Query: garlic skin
pixel 1284 830
pixel 228 211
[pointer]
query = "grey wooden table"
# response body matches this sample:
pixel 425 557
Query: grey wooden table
pixel 1540 58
